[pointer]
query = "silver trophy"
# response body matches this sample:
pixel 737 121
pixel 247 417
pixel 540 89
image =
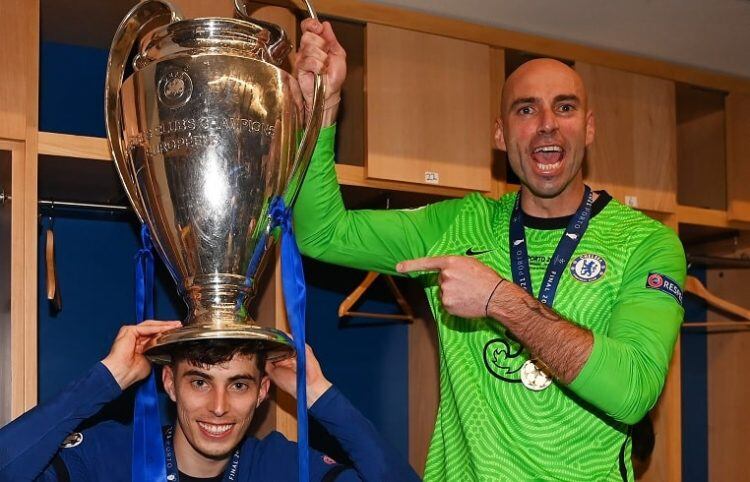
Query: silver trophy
pixel 205 132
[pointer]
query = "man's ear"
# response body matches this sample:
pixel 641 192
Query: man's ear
pixel 265 385
pixel 167 378
pixel 499 137
pixel 590 128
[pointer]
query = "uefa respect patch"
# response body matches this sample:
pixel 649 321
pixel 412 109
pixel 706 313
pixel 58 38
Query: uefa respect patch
pixel 665 284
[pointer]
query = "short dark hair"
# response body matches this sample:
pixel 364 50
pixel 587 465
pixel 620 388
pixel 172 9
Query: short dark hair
pixel 205 353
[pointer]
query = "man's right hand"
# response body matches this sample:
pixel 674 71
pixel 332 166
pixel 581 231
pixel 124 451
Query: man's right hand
pixel 320 53
pixel 126 361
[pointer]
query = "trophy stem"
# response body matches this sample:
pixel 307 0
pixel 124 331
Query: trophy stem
pixel 217 305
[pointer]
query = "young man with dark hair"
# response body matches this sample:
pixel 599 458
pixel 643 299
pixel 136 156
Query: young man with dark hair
pixel 216 387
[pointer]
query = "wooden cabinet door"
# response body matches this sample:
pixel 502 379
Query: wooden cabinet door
pixel 738 156
pixel 428 109
pixel 19 55
pixel 634 154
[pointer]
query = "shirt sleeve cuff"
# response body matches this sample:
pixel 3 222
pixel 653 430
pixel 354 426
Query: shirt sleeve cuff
pixel 322 404
pixel 327 134
pixel 590 368
pixel 108 383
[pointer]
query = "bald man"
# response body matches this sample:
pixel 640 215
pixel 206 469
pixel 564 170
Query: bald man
pixel 557 307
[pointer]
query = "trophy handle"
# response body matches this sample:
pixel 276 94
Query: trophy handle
pixel 312 129
pixel 310 135
pixel 151 14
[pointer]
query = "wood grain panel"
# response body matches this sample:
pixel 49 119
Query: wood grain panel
pixel 701 153
pixel 100 34
pixel 355 176
pixel 19 377
pixel 25 340
pixel 709 217
pixel 424 377
pixel 350 122
pixel 96 148
pixel 634 151
pixel 425 113
pixel 497 80
pixel 387 15
pixel 728 394
pixel 19 24
pixel 286 405
pixel 66 145
pixel 19 119
pixel 21 374
pixel 264 314
pixel 280 411
pixel 738 156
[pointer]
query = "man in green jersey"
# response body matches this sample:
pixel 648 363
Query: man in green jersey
pixel 557 308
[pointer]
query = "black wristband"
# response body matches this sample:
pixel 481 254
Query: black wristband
pixel 487 305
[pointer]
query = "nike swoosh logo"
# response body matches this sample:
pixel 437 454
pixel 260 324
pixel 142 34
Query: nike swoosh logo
pixel 471 252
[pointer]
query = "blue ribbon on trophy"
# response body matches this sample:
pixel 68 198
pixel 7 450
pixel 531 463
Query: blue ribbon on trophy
pixel 295 296
pixel 148 448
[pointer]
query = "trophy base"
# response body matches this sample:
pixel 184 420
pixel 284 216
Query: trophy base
pixel 275 343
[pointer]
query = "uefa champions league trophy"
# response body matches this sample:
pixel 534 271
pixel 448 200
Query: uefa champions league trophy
pixel 205 132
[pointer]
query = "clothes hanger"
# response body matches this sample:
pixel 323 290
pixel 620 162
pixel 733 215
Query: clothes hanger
pixel 53 284
pixel 693 285
pixel 359 290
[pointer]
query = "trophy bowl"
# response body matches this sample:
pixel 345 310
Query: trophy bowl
pixel 206 131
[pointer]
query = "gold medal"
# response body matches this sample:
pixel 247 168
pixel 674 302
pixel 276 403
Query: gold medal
pixel 533 377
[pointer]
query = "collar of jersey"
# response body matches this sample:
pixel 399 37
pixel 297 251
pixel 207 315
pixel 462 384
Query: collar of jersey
pixel 562 222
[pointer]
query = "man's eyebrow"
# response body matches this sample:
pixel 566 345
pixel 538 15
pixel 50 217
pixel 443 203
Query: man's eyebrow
pixel 567 97
pixel 242 376
pixel 198 373
pixel 523 100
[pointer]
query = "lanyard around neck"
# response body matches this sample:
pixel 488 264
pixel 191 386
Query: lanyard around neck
pixel 230 474
pixel 519 255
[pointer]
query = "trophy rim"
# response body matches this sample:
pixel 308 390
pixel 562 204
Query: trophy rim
pixel 275 343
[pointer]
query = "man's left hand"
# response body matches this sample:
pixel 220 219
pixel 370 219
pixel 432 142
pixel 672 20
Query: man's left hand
pixel 465 283
pixel 283 374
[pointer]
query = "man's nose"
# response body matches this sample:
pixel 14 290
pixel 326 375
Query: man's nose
pixel 219 403
pixel 547 122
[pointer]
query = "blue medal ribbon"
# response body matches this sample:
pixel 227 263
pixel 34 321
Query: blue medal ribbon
pixel 567 245
pixel 293 282
pixel 148 463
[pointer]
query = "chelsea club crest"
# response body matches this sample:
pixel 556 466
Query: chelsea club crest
pixel 588 268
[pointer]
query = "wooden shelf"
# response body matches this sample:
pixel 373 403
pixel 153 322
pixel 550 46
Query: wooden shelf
pixel 66 145
pixel 97 148
pixel 349 175
pixel 708 217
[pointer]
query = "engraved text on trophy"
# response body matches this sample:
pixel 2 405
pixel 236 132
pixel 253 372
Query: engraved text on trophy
pixel 195 132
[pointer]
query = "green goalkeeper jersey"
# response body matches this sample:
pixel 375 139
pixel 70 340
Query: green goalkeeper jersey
pixel 623 283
